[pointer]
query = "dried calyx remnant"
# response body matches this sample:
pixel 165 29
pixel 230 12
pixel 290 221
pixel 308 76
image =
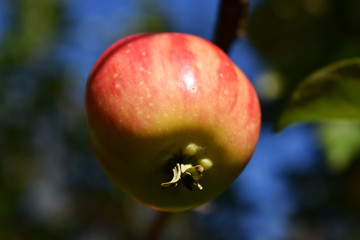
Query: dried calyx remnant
pixel 189 167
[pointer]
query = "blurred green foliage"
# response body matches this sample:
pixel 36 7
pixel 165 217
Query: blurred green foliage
pixel 298 38
pixel 43 138
pixel 341 141
pixel 329 94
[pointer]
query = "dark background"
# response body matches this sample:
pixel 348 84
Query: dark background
pixel 302 183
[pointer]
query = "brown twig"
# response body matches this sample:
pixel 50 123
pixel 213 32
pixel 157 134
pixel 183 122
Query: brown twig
pixel 232 19
pixel 158 225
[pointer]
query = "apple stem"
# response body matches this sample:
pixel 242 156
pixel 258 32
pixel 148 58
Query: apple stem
pixel 191 176
pixel 188 173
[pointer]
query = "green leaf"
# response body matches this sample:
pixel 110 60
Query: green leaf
pixel 341 144
pixel 331 93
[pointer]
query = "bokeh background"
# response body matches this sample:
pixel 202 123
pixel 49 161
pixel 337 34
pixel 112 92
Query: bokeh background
pixel 302 183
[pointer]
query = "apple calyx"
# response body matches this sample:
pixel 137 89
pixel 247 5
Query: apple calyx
pixel 188 169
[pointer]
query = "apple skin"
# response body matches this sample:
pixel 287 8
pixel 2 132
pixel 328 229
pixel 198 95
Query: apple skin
pixel 150 95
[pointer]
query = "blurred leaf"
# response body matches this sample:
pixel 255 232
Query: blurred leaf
pixel 341 143
pixel 300 37
pixel 331 93
pixel 33 27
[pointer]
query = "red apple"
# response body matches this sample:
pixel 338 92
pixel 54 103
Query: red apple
pixel 172 120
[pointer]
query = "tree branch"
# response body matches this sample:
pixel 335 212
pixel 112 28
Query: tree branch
pixel 158 225
pixel 232 19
